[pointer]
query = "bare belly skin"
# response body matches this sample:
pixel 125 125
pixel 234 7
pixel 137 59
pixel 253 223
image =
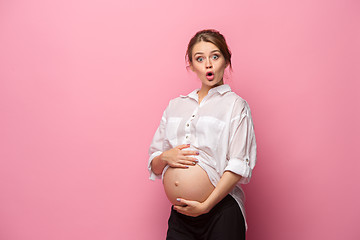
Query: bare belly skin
pixel 190 183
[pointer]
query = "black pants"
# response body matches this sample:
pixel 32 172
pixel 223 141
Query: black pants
pixel 224 222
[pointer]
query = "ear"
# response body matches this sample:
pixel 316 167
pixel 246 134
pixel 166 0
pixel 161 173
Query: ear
pixel 191 67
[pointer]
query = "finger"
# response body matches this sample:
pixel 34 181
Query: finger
pixel 192 159
pixel 183 146
pixel 190 152
pixel 179 165
pixel 179 208
pixel 186 162
pixel 183 202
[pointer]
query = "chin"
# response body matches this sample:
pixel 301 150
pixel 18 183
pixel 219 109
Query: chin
pixel 214 84
pixel 211 83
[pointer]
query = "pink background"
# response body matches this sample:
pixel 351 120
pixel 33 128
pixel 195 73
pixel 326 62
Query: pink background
pixel 83 85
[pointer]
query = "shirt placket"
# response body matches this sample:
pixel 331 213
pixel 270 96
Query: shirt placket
pixel 206 98
pixel 188 124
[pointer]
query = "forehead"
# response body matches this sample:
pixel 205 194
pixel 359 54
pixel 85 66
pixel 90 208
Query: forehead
pixel 204 47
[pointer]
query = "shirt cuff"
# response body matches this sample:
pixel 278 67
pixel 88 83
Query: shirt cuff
pixel 153 176
pixel 240 167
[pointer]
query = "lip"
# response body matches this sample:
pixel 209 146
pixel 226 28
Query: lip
pixel 209 75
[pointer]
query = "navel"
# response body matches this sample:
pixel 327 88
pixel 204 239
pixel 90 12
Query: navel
pixel 176 183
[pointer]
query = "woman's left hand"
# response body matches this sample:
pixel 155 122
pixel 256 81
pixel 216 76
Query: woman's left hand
pixel 191 208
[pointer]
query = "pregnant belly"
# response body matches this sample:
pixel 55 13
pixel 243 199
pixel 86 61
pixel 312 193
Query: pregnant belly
pixel 190 183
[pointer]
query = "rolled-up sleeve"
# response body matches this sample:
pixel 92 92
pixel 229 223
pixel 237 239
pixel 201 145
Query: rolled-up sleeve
pixel 156 146
pixel 242 143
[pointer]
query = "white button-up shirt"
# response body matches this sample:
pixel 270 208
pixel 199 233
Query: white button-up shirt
pixel 220 128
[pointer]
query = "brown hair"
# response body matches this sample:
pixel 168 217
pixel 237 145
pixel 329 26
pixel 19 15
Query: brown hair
pixel 212 36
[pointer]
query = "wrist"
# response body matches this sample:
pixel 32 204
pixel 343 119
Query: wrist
pixel 162 160
pixel 206 206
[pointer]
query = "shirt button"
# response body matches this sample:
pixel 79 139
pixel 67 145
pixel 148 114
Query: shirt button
pixel 193 115
pixel 187 125
pixel 187 137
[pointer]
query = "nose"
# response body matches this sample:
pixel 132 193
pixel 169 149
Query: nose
pixel 208 64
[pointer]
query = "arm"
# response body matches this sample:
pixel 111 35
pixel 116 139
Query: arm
pixel 158 165
pixel 193 208
pixel 160 154
pixel 242 158
pixel 225 185
pixel 175 157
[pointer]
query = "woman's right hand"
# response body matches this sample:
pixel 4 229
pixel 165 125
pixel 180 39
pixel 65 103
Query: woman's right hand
pixel 179 158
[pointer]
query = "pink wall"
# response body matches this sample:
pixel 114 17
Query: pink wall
pixel 83 85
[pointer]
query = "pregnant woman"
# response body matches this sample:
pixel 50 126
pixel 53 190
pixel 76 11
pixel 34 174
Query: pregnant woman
pixel 205 148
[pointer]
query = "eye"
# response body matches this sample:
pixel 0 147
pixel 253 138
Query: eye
pixel 215 57
pixel 200 59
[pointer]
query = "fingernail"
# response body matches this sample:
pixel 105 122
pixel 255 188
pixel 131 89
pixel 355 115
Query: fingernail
pixel 194 162
pixel 197 153
pixel 188 144
pixel 178 199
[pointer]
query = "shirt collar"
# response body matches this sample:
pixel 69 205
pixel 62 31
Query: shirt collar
pixel 220 89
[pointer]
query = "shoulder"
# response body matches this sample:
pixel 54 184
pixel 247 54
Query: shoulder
pixel 177 100
pixel 240 105
pixel 174 103
pixel 236 99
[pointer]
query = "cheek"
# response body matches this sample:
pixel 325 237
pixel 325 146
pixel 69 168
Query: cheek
pixel 221 66
pixel 197 69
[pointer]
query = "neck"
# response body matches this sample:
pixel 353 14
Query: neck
pixel 205 89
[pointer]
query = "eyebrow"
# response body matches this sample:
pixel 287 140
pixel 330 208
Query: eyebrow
pixel 210 52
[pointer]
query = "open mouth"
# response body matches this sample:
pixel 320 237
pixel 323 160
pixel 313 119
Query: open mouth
pixel 210 75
